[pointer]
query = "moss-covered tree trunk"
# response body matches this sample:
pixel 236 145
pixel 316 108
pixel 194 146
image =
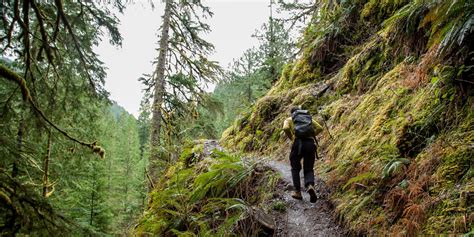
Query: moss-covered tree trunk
pixel 159 93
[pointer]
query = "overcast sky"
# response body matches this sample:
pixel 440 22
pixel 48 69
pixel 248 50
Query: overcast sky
pixel 232 25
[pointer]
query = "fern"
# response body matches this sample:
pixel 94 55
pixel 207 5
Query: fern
pixel 394 167
pixel 198 199
pixel 451 22
pixel 220 177
pixel 461 14
pixel 359 178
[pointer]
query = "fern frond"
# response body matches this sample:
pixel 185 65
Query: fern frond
pixel 394 167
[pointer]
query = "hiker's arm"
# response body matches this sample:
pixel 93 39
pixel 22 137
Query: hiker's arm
pixel 287 128
pixel 317 127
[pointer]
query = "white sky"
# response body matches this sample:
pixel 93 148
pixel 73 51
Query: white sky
pixel 232 25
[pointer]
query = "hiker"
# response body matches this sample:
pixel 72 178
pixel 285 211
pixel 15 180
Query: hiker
pixel 302 129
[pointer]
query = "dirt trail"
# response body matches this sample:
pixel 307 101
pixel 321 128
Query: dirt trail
pixel 303 218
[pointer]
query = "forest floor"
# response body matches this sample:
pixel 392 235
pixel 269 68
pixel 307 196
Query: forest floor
pixel 300 218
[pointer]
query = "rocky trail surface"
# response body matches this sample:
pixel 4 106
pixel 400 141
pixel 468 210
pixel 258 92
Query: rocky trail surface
pixel 300 218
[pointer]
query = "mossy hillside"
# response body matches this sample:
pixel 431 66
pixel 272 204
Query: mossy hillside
pixel 393 137
pixel 327 45
pixel 302 80
pixel 207 196
pixel 399 154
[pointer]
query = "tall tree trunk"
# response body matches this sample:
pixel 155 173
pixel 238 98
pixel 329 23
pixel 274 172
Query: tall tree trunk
pixel 46 166
pixel 19 144
pixel 159 92
pixel 271 54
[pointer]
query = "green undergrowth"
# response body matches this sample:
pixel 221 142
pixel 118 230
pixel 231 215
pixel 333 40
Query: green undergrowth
pixel 208 195
pixel 397 104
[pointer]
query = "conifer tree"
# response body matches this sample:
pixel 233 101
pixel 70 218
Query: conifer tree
pixel 252 75
pixel 182 69
pixel 52 82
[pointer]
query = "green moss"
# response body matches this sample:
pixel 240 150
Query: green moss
pixel 284 82
pixel 276 135
pixel 456 165
pixel 303 73
pixel 208 198
pixel 364 179
pixel 401 123
pixel 361 71
pixel 377 11
pixel 279 206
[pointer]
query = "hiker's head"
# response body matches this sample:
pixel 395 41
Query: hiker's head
pixel 294 108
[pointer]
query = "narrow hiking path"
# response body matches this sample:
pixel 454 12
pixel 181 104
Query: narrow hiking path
pixel 301 218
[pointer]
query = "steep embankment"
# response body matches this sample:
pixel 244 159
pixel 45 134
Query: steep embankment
pixel 393 83
pixel 210 193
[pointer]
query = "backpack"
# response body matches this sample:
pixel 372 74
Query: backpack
pixel 303 124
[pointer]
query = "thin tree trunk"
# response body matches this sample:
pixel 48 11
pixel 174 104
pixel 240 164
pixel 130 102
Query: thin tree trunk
pixel 19 140
pixel 271 55
pixel 92 204
pixel 127 175
pixel 249 94
pixel 46 166
pixel 159 92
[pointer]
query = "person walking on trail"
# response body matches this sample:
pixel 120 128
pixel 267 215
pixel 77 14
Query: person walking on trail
pixel 302 129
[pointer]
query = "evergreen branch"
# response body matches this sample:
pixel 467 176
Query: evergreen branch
pixel 300 11
pixel 5 106
pixel 76 42
pixel 9 31
pixel 56 25
pixel 4 18
pixel 12 76
pixel 103 20
pixel 44 35
pixel 179 88
pixel 26 37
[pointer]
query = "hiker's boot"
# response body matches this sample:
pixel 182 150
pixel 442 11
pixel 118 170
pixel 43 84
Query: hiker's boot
pixel 312 194
pixel 296 195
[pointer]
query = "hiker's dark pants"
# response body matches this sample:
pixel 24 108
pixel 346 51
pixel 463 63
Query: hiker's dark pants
pixel 302 148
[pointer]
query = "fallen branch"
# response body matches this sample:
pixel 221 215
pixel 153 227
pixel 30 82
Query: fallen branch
pixel 327 128
pixel 149 179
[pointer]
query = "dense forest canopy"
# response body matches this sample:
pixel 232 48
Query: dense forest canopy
pixel 56 115
pixel 390 81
